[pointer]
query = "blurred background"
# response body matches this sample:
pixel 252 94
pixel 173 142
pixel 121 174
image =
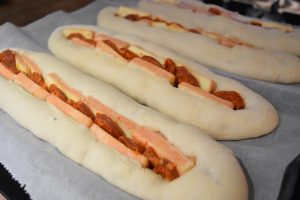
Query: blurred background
pixel 23 12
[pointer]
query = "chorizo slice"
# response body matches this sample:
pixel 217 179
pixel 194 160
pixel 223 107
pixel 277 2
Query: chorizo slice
pixel 183 75
pixel 151 60
pixel 111 44
pixel 69 110
pixel 37 78
pixel 127 54
pixel 81 37
pixel 112 142
pixel 82 107
pixel 160 165
pixel 132 17
pixel 132 144
pixel 170 66
pixel 108 125
pixel 8 59
pixel 233 97
pixel 214 11
pixel 166 169
pixel 53 89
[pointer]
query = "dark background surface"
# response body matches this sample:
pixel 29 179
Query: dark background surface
pixel 23 12
pixel 253 11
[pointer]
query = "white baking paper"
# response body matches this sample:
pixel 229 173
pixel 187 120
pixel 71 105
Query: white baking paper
pixel 47 174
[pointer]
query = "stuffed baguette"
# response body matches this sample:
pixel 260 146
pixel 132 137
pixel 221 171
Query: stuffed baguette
pixel 62 106
pixel 263 34
pixel 162 80
pixel 206 47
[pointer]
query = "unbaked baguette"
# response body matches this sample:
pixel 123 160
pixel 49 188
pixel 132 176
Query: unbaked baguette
pixel 216 175
pixel 215 119
pixel 240 59
pixel 276 37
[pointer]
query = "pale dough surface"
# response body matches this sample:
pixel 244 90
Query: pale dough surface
pixel 249 62
pixel 217 174
pixel 216 120
pixel 269 39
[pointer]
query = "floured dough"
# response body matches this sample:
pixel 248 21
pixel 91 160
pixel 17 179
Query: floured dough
pixel 250 62
pixel 216 175
pixel 217 120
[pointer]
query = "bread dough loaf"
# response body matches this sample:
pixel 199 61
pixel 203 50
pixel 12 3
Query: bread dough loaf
pixel 217 120
pixel 216 175
pixel 268 39
pixel 250 62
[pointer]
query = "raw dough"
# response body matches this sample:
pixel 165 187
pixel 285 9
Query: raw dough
pixel 217 120
pixel 217 174
pixel 254 63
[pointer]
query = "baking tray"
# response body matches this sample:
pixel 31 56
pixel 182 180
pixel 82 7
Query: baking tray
pixel 47 174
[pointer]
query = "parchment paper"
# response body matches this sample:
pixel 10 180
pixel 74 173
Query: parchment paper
pixel 49 175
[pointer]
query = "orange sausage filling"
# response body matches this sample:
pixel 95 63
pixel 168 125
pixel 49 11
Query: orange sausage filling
pixel 155 21
pixel 234 16
pixel 8 60
pixel 81 37
pixel 143 145
pixel 172 71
